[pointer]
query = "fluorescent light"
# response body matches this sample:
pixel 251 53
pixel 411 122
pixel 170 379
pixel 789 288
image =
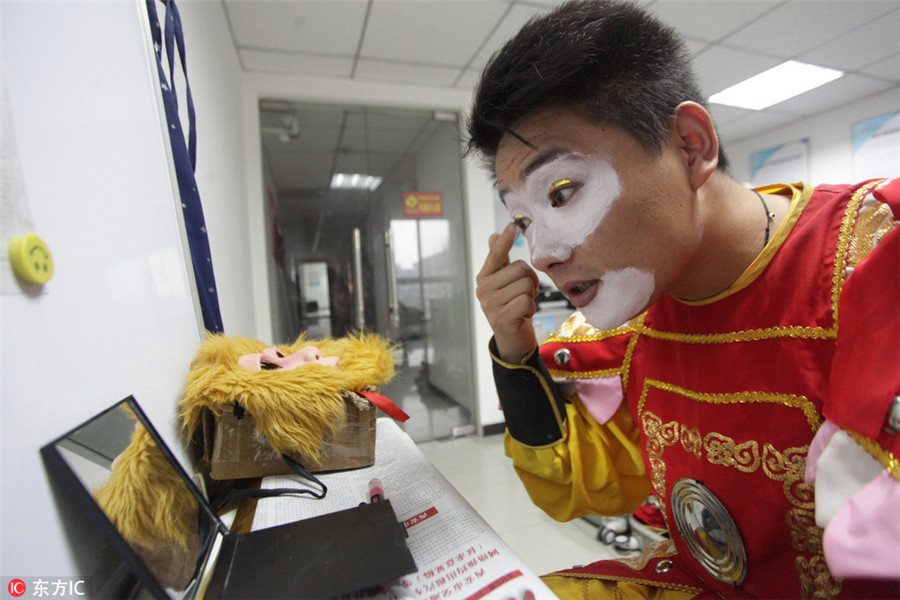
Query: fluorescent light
pixel 776 85
pixel 354 181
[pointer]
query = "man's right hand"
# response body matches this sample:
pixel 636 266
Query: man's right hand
pixel 506 292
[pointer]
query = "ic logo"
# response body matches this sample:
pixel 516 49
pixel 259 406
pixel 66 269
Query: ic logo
pixel 16 588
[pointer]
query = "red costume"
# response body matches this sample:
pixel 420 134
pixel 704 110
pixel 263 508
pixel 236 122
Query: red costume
pixel 727 394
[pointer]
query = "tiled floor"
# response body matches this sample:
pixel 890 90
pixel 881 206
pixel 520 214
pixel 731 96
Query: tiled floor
pixel 433 414
pixel 477 467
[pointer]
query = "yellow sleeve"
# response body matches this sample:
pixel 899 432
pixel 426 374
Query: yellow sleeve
pixel 592 469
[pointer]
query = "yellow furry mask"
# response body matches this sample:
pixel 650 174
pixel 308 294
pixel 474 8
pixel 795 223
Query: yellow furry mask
pixel 295 393
pixel 153 509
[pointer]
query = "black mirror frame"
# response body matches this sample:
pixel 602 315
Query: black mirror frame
pixel 78 494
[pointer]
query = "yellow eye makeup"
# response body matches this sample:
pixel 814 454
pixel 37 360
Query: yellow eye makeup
pixel 522 222
pixel 561 191
pixel 559 184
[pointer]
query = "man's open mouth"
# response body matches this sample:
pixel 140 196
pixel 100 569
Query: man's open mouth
pixel 582 293
pixel 581 287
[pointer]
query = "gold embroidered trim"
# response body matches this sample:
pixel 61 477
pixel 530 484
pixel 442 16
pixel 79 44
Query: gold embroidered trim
pixel 787 466
pixel 816 580
pixel 576 329
pixel 584 374
pixel 874 221
pixel 840 259
pixel 750 335
pixel 638 325
pixel 887 459
pixel 804 404
pixel 805 534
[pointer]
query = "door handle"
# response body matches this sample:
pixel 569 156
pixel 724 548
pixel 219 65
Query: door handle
pixel 393 299
pixel 359 305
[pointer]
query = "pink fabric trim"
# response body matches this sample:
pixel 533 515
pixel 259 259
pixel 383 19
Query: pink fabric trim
pixel 863 538
pixel 817 447
pixel 601 396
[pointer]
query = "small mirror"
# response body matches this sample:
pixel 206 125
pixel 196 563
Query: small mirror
pixel 118 468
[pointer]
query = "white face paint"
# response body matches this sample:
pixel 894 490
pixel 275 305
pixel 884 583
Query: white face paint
pixel 622 295
pixel 554 231
pixel 589 186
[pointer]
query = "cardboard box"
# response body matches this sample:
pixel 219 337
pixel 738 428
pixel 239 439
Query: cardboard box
pixel 237 452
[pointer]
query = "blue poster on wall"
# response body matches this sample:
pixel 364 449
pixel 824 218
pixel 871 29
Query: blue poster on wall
pixel 876 147
pixel 787 163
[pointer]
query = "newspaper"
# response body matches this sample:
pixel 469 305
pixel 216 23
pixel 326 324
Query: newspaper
pixel 457 553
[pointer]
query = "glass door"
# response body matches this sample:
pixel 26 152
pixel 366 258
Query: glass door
pixel 386 226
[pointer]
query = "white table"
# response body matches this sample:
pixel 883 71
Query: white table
pixel 457 553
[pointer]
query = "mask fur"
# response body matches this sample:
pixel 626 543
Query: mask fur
pixel 153 509
pixel 294 409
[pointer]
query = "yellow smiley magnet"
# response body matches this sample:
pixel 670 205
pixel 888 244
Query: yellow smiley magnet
pixel 31 259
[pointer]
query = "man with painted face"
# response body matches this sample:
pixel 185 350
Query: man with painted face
pixel 735 352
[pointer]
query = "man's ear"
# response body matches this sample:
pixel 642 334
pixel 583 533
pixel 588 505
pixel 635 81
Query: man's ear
pixel 696 136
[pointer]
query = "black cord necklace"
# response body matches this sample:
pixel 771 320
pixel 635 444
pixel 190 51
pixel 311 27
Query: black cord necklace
pixel 770 216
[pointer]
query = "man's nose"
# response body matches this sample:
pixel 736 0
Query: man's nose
pixel 546 253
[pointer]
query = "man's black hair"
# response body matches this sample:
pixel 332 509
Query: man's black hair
pixel 610 61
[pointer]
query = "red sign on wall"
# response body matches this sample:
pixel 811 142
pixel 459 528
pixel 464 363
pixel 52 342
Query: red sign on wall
pixel 423 204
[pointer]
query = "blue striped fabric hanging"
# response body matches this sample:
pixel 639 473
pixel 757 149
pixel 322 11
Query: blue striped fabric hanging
pixel 185 156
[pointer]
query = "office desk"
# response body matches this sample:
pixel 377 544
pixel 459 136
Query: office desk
pixel 457 553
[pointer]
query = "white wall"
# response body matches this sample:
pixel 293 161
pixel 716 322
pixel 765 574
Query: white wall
pixel 829 134
pixel 480 197
pixel 118 317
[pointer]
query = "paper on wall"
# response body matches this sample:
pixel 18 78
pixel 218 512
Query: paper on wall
pixel 16 219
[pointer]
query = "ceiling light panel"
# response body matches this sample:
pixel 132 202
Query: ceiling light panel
pixel 779 83
pixel 354 181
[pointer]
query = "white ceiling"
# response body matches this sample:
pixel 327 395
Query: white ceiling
pixel 446 43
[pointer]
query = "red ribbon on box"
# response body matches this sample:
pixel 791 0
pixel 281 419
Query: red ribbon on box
pixel 385 404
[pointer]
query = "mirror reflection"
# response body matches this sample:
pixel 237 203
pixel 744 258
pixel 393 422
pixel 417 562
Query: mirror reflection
pixel 133 481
